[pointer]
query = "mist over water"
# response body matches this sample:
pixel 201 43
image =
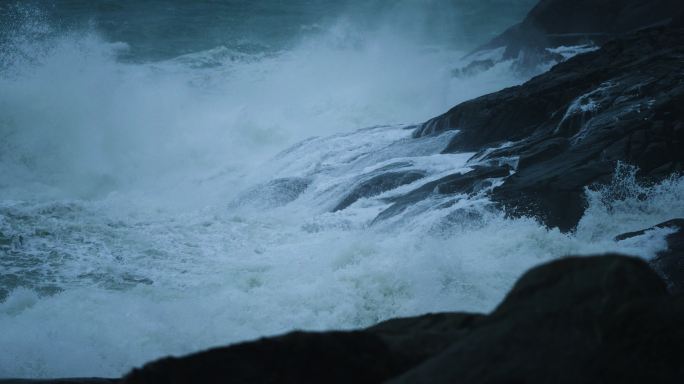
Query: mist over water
pixel 77 115
pixel 165 192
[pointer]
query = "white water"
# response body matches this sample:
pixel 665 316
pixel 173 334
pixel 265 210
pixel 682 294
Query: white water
pixel 142 224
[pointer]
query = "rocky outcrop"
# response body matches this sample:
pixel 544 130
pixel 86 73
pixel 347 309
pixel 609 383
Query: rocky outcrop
pixel 580 319
pixel 670 262
pixel 568 128
pixel 554 23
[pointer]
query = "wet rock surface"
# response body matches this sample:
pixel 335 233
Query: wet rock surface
pixel 569 127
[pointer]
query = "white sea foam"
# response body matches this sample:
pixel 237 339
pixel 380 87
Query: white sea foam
pixel 140 283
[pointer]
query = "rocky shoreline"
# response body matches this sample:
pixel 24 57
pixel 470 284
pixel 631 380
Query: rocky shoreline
pixel 568 128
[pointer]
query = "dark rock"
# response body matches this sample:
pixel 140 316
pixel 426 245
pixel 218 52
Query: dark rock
pixel 298 357
pixel 417 338
pixel 377 185
pixel 670 262
pixel 576 320
pixel 678 21
pixel 369 356
pixel 553 23
pixel 458 183
pixel 570 126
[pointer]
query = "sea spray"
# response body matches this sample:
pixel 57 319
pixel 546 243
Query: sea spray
pixel 164 282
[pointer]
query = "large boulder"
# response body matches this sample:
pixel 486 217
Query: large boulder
pixel 580 319
pixel 577 320
pixel 605 318
pixel 298 357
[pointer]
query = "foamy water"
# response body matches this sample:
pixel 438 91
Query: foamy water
pixel 163 207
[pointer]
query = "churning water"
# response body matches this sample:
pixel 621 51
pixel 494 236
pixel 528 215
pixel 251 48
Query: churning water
pixel 169 173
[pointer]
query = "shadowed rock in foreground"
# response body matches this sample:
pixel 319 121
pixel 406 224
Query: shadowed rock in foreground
pixel 576 320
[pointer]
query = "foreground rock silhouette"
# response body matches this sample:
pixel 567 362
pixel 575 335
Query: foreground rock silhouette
pixel 606 318
pixel 580 319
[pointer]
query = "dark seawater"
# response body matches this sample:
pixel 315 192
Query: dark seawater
pixel 158 29
pixel 169 171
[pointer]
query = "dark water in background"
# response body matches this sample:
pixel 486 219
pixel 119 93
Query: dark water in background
pixel 168 171
pixel 158 29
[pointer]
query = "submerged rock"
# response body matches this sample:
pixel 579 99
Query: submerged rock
pixel 467 183
pixel 273 194
pixel 377 185
pixel 569 127
pixel 579 319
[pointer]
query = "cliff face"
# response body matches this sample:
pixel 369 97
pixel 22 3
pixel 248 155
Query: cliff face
pixel 568 128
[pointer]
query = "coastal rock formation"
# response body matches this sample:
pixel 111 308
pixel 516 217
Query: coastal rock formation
pixel 562 23
pixel 579 319
pixel 568 128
